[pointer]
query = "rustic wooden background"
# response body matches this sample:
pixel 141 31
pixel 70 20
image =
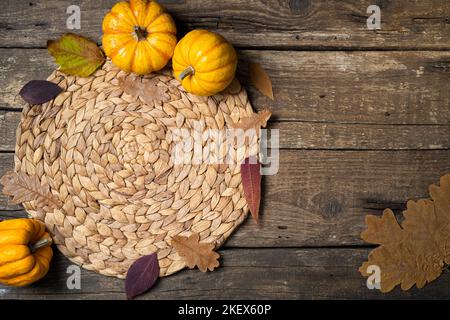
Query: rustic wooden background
pixel 364 120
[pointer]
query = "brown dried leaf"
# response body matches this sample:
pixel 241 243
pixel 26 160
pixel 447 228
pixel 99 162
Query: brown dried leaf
pixel 251 182
pixel 255 121
pixel 418 250
pixel 24 188
pixel 146 89
pixel 195 253
pixel 260 79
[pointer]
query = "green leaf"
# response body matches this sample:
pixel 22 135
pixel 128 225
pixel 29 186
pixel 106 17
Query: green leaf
pixel 76 55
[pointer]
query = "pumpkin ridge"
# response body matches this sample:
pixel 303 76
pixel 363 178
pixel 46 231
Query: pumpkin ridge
pixel 40 254
pixel 213 70
pixel 210 50
pixel 159 40
pixel 129 16
pixel 23 235
pixel 14 275
pixel 200 33
pixel 208 92
pixel 153 24
pixel 14 228
pixel 34 272
pixel 114 53
pixel 133 56
pixel 115 15
pixel 177 66
pixel 160 33
pixel 144 9
pixel 216 82
pixel 156 17
pixel 130 63
pixel 8 245
pixel 223 85
pixel 158 50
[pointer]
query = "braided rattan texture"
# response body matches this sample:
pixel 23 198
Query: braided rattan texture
pixel 107 156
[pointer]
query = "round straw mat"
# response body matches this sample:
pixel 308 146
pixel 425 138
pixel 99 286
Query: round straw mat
pixel 108 157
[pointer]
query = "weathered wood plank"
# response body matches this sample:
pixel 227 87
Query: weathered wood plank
pixel 299 135
pixel 336 136
pixel 287 23
pixel 13 214
pixel 355 87
pixel 8 126
pixel 344 87
pixel 244 273
pixel 320 198
pixel 17 67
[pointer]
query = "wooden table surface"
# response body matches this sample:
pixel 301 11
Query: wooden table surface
pixel 364 123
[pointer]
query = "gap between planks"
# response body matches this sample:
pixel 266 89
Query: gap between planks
pixel 384 88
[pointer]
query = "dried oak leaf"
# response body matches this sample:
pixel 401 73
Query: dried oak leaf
pixel 418 250
pixel 23 188
pixel 146 89
pixel 195 253
pixel 260 79
pixel 255 121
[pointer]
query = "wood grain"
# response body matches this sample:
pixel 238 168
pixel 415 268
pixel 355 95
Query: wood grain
pixel 332 87
pixel 318 136
pixel 266 273
pixel 320 198
pixel 362 129
pixel 264 24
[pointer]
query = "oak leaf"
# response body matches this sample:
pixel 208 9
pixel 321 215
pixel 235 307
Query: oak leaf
pixel 416 251
pixel 145 89
pixel 24 188
pixel 260 79
pixel 255 121
pixel 195 253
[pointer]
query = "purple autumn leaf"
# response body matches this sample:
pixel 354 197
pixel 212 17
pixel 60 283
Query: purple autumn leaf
pixel 142 275
pixel 39 91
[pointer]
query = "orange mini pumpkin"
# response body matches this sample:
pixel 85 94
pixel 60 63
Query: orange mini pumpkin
pixel 139 36
pixel 25 251
pixel 204 62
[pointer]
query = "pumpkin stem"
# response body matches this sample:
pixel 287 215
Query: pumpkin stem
pixel 41 243
pixel 186 72
pixel 141 33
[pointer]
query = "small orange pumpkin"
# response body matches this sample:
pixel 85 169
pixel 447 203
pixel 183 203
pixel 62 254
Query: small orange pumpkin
pixel 25 251
pixel 139 36
pixel 204 62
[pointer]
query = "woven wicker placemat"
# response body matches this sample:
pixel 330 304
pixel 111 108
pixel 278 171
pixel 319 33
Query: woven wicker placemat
pixel 107 156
